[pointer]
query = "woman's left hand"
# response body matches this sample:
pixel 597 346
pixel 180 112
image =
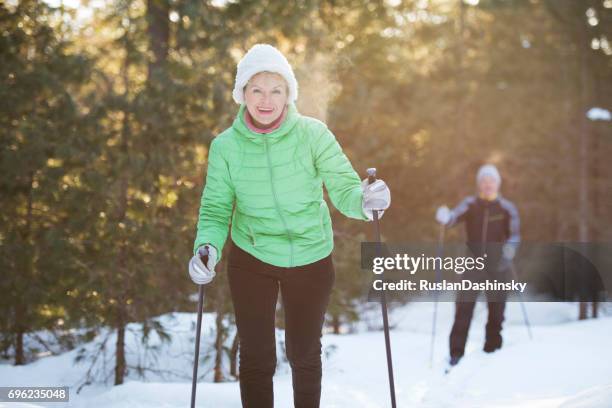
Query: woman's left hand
pixel 376 196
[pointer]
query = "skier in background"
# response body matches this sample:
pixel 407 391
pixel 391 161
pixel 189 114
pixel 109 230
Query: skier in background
pixel 489 218
pixel 266 174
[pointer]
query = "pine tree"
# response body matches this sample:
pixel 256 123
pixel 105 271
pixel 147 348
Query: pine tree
pixel 43 140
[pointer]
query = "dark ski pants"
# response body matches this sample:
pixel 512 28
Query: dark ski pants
pixel 305 292
pixel 464 310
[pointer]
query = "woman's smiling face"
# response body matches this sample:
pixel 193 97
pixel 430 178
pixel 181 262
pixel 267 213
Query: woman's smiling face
pixel 265 96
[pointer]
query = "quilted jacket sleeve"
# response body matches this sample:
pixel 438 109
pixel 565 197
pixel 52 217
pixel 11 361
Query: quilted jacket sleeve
pixel 339 177
pixel 216 203
pixel 460 212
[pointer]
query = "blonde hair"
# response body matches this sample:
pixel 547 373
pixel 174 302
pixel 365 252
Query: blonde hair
pixel 268 73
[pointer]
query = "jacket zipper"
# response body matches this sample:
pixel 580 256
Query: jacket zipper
pixel 280 214
pixel 252 236
pixel 485 230
pixel 321 221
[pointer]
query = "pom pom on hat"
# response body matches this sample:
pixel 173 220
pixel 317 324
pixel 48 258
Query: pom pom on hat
pixel 260 58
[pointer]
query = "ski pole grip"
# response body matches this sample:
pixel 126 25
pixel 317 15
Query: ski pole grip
pixel 371 175
pixel 203 253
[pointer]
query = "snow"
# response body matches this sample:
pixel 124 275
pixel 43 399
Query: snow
pixel 567 364
pixel 599 114
pixel 596 397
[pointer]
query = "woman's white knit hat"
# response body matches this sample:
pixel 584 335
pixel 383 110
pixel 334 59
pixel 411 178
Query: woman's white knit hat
pixel 263 57
pixel 488 170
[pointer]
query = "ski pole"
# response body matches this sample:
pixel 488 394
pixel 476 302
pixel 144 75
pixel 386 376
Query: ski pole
pixel 523 308
pixel 437 277
pixel 197 342
pixel 383 300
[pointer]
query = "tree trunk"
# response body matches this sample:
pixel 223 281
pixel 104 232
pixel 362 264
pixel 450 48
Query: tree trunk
pixel 159 33
pixel 19 354
pixel 460 119
pixel 336 323
pixel 120 297
pixel 21 323
pixel 219 348
pixel 582 310
pixel 583 200
pixel 120 346
pixel 583 170
pixel 234 356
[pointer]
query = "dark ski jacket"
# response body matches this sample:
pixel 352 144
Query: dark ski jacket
pixel 495 221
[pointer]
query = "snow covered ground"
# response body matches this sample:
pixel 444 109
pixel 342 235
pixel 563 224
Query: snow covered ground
pixel 567 364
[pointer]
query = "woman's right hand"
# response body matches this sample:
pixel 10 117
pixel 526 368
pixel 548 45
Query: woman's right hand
pixel 202 265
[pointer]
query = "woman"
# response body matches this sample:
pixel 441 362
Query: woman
pixel 265 173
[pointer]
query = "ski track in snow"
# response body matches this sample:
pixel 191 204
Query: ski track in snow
pixel 567 364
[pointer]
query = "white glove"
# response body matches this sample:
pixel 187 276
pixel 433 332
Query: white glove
pixel 443 215
pixel 376 196
pixel 202 274
pixel 508 251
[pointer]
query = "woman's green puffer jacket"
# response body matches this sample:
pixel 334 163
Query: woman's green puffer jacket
pixel 275 181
